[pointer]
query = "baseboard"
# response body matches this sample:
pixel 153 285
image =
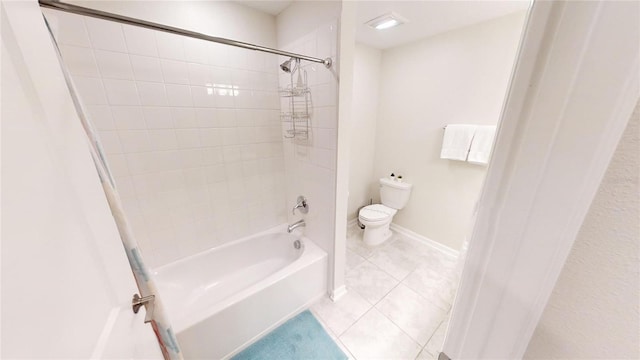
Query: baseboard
pixel 415 236
pixel 338 293
pixel 352 223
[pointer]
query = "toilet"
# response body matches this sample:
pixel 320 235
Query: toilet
pixel 377 217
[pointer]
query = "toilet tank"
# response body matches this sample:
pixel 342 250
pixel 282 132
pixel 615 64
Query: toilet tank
pixel 394 194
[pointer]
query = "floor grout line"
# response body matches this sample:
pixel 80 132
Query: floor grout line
pixel 375 305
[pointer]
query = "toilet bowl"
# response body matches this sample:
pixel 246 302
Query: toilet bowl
pixel 376 219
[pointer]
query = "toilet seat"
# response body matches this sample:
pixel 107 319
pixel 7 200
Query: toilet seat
pixel 376 213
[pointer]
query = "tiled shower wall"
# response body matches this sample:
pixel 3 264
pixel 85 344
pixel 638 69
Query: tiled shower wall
pixel 191 131
pixel 311 164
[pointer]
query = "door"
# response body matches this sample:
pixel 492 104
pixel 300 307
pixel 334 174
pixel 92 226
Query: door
pixel 66 282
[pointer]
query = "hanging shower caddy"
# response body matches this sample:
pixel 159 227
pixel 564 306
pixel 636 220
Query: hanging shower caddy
pixel 297 115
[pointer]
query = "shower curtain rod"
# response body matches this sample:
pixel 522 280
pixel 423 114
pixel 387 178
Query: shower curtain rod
pixel 57 5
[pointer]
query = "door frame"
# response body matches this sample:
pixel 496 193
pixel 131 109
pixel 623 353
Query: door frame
pixel 572 93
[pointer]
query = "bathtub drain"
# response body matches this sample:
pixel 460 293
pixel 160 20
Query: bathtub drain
pixel 297 244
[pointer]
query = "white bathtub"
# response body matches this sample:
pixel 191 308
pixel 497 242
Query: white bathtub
pixel 223 299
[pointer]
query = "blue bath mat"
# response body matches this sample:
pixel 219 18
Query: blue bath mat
pixel 299 338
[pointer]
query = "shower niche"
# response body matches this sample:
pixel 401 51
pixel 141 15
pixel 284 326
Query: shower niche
pixel 296 115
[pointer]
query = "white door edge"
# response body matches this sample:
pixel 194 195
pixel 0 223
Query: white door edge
pixel 543 176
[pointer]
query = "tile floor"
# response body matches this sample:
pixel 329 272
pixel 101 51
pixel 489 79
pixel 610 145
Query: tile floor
pixel 398 300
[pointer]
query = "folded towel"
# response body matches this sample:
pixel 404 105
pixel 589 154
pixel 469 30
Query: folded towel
pixel 457 141
pixel 481 145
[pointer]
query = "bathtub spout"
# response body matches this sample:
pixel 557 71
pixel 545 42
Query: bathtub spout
pixel 295 225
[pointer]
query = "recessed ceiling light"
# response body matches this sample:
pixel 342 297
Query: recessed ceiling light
pixel 386 21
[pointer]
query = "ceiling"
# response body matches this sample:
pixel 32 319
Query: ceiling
pixel 427 18
pixel 273 7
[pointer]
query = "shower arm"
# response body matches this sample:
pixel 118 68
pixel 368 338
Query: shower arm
pixel 79 10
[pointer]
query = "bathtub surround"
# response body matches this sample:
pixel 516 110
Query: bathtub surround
pixel 190 128
pixel 310 165
pixel 299 338
pixel 460 76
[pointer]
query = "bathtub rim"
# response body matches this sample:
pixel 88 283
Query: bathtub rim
pixel 310 254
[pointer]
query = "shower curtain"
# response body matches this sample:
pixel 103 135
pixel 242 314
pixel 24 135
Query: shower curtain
pixel 160 322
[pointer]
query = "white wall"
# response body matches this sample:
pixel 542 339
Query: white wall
pixel 191 129
pixel 310 165
pixel 304 17
pixel 456 77
pixel 593 310
pixel 364 116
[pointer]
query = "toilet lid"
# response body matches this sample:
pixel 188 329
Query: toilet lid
pixel 376 212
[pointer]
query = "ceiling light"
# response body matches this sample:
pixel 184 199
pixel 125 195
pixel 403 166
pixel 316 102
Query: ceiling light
pixel 386 21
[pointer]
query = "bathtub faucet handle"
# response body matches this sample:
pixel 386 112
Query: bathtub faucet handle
pixel 302 205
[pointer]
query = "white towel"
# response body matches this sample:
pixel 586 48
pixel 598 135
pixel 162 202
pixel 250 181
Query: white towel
pixel 481 145
pixel 457 141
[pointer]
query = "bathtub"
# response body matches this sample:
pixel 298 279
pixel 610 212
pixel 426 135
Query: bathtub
pixel 223 299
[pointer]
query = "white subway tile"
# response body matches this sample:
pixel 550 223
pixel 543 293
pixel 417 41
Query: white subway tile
pixel 215 173
pixel 121 92
pixel 128 117
pixel 110 142
pixel 229 136
pixel 91 90
pixel 170 46
pixel 126 189
pixel 212 155
pixel 114 65
pixel 174 72
pixel 195 177
pixel 232 153
pixel 152 93
pixel 324 95
pixel 140 41
pixel 79 60
pixel 203 96
pixel 118 165
pixel 100 117
pixel 196 50
pixel 221 76
pixel 189 158
pixel 218 54
pixel 164 139
pixel 68 29
pixel 224 98
pixel 179 95
pixel 146 68
pixel 249 152
pixel 211 137
pixel 226 117
pixel 207 118
pixel 325 117
pixel 188 138
pixel 184 118
pixel 324 157
pixel 199 74
pixel 245 117
pixel 134 141
pixel 106 35
pixel 158 117
pixel 233 171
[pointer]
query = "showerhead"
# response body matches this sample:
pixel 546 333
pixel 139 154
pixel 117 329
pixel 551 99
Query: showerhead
pixel 286 66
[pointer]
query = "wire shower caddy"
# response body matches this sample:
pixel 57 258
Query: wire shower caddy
pixel 297 116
